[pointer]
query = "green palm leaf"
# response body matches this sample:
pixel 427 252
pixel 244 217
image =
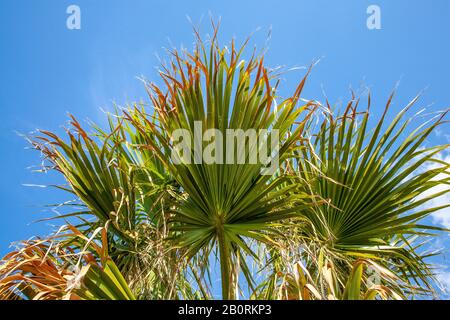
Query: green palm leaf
pixel 225 203
pixel 375 187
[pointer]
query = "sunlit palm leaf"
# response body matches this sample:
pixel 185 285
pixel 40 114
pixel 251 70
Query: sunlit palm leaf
pixel 226 203
pixel 377 183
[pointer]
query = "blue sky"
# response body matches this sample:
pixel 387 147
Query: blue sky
pixel 47 70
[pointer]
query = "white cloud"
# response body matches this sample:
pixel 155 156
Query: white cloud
pixel 441 134
pixel 441 217
pixel 444 282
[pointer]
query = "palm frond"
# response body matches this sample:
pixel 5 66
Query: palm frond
pixel 375 184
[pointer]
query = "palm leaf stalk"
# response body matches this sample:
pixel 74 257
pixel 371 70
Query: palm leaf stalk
pixel 299 284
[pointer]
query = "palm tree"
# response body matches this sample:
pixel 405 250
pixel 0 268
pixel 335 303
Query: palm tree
pixel 375 189
pixel 340 200
pixel 224 204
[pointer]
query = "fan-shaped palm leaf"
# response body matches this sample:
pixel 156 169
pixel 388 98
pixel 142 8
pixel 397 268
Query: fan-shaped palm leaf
pixel 376 184
pixel 225 203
